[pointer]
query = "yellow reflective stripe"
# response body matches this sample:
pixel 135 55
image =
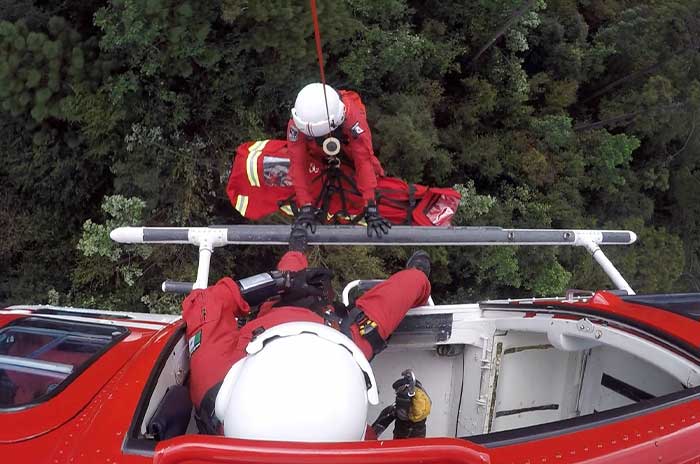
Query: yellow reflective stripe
pixel 286 209
pixel 255 162
pixel 242 204
pixel 254 152
pixel 250 167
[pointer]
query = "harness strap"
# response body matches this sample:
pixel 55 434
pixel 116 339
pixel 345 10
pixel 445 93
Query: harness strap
pixel 367 328
pixel 205 416
pixel 351 315
pixel 411 203
pixel 323 200
pixel 408 205
pixel 333 179
pixel 337 133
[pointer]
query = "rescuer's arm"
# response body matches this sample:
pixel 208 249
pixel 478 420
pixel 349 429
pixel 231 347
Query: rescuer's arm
pixel 212 334
pixel 219 303
pixel 359 147
pixel 298 156
pixel 298 242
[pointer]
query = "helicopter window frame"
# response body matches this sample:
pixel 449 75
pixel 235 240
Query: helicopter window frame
pixel 60 332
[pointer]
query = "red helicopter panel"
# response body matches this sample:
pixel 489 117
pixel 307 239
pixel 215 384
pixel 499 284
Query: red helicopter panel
pixel 99 416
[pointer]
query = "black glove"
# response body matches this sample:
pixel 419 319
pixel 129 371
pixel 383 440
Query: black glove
pixel 298 239
pixel 306 218
pixel 320 277
pixel 375 223
pixel 308 282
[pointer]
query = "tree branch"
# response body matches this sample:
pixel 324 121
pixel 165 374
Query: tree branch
pixel 513 18
pixel 685 145
pixel 633 76
pixel 626 118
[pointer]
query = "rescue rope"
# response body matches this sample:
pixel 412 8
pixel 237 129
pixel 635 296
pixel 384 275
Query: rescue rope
pixel 319 53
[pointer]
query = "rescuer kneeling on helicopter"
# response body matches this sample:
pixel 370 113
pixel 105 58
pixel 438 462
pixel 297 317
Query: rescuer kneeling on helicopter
pixel 298 369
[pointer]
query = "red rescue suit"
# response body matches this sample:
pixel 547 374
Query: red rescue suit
pixel 356 144
pixel 216 343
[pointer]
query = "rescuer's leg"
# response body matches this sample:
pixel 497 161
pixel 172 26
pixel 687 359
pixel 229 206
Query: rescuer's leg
pixel 293 261
pixel 385 305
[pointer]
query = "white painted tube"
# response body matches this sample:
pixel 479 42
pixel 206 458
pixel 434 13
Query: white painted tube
pixel 608 267
pixel 203 268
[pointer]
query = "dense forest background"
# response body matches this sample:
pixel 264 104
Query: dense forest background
pixel 545 113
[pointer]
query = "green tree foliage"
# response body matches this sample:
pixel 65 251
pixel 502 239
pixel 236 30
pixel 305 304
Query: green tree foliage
pixel 543 113
pixel 103 263
pixel 38 69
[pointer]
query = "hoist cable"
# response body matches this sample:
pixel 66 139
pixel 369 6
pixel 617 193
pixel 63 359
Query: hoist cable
pixel 317 34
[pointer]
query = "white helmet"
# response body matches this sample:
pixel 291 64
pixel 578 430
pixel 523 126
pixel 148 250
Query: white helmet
pixel 309 112
pixel 301 381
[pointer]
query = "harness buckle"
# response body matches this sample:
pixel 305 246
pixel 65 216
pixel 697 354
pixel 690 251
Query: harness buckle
pixel 333 161
pixel 331 319
pixel 366 325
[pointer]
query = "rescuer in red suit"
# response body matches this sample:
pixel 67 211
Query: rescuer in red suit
pixel 320 133
pixel 216 342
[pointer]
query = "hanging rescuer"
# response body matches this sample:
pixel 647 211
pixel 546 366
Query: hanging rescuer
pixel 326 171
pixel 325 126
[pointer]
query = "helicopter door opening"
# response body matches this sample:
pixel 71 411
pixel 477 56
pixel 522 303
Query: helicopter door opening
pixel 499 371
pixel 491 371
pixel 167 395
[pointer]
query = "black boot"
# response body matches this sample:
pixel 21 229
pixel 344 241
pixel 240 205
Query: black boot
pixel 419 260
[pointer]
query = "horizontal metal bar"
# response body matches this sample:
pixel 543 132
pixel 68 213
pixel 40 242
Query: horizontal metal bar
pixel 35 364
pixel 403 235
pixel 172 286
pixel 163 234
pixel 357 235
pixel 616 237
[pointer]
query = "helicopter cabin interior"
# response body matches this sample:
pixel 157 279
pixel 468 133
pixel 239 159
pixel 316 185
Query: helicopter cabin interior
pixel 490 369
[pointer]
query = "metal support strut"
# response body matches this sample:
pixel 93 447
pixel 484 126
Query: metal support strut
pixel 608 267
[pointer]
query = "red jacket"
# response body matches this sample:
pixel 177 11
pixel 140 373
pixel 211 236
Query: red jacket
pixel 356 132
